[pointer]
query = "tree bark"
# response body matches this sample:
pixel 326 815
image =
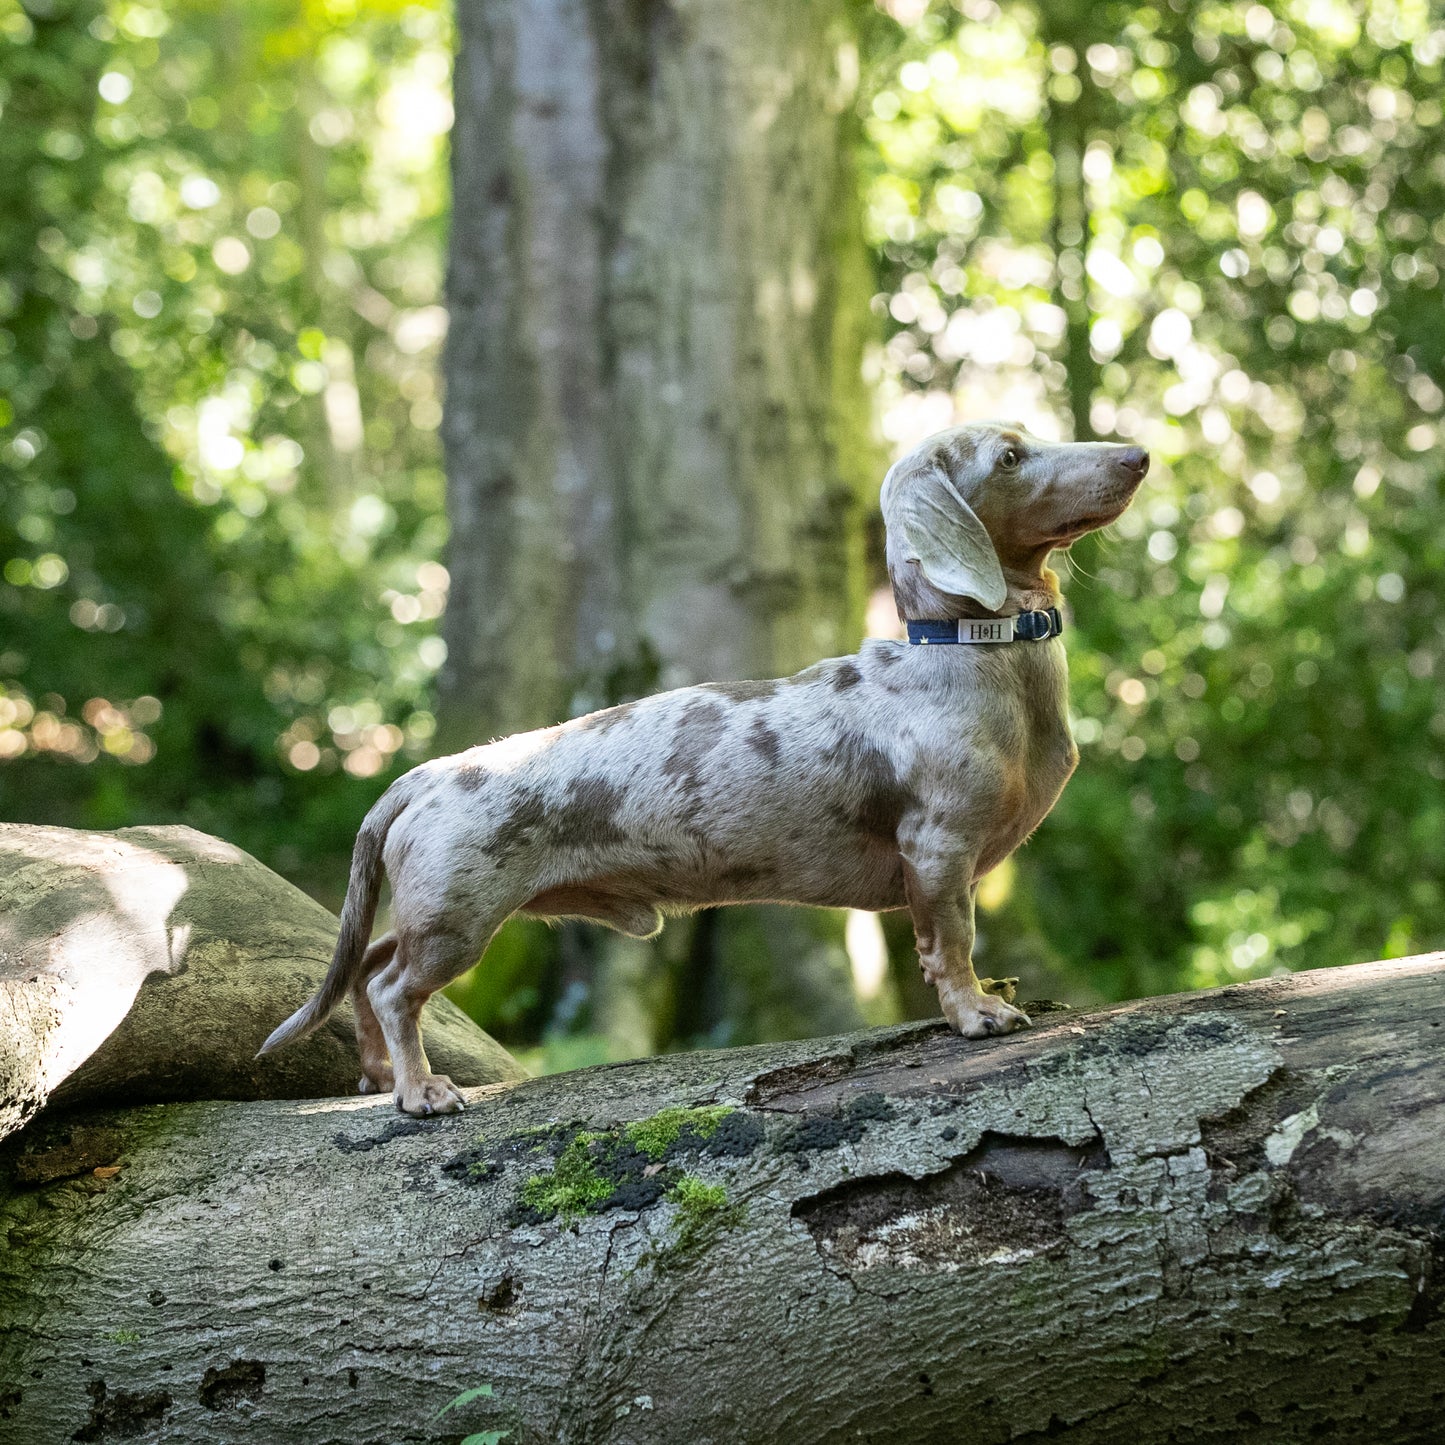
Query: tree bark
pixel 658 439
pixel 1208 1217
pixel 657 434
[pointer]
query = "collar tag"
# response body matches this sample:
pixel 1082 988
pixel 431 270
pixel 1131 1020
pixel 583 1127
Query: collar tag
pixel 993 629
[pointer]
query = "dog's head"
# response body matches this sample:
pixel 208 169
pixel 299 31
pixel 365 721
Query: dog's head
pixel 983 503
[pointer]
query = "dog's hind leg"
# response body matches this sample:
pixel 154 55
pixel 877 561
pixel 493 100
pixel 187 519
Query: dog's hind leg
pixel 376 1076
pixel 426 960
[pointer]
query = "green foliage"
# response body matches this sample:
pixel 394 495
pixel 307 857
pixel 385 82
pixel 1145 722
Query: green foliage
pixel 1214 228
pixel 477 1392
pixel 222 230
pixel 484 1437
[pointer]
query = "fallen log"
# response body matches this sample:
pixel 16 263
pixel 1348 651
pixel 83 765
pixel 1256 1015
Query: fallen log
pixel 1214 1217
pixel 148 964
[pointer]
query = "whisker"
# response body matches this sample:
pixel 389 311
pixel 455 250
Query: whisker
pixel 1077 569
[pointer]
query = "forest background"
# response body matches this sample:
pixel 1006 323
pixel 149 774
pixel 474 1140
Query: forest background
pixel 1214 228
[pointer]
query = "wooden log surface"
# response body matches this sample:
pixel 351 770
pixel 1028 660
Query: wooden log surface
pixel 149 963
pixel 1214 1217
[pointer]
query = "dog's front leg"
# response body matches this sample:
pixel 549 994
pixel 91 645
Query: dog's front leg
pixel 941 903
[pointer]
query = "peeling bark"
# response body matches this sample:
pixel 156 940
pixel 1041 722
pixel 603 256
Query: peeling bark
pixel 1208 1217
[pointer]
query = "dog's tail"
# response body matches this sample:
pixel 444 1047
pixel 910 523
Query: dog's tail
pixel 357 914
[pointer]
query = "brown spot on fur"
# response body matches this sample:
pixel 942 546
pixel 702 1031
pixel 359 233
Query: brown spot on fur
pixel 589 816
pixel 958 452
pixel 764 741
pixel 846 676
pixel 527 812
pixel 743 691
pixel 697 733
pixel 878 796
pixel 883 657
pixel 472 777
pixel 607 719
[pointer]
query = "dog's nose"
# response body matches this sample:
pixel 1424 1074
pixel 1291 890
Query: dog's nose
pixel 1135 461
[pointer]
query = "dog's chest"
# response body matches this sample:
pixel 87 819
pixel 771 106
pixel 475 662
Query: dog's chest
pixel 1043 759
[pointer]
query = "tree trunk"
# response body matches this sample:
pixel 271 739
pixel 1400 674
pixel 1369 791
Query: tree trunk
pixel 1209 1217
pixel 656 428
pixel 149 964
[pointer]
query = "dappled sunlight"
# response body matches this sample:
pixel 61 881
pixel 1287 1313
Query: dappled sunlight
pixel 1215 233
pixel 1213 230
pixel 867 953
pixel 107 922
pixel 277 308
pixel 341 1106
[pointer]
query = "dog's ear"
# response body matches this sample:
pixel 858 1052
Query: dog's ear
pixel 943 534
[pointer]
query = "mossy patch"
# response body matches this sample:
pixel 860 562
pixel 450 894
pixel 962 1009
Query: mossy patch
pixel 703 1211
pixel 627 1166
pixel 594 1172
pixel 573 1187
pixel 635 1165
pixel 697 1199
pixel 656 1136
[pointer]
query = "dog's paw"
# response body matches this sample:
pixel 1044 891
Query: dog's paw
pixel 982 1015
pixel 430 1094
pixel 377 1083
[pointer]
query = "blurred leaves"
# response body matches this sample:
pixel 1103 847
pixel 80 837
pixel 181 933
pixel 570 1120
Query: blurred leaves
pixel 1213 228
pixel 222 263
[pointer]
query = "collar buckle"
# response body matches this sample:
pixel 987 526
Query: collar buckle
pixel 1038 626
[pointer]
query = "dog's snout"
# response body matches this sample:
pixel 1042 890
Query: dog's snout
pixel 1134 461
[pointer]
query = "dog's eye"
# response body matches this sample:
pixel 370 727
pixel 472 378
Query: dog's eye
pixel 1009 460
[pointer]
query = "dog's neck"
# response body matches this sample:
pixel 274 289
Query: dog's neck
pixel 1030 589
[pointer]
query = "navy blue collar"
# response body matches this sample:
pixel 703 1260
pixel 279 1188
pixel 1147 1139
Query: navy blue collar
pixel 1022 627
